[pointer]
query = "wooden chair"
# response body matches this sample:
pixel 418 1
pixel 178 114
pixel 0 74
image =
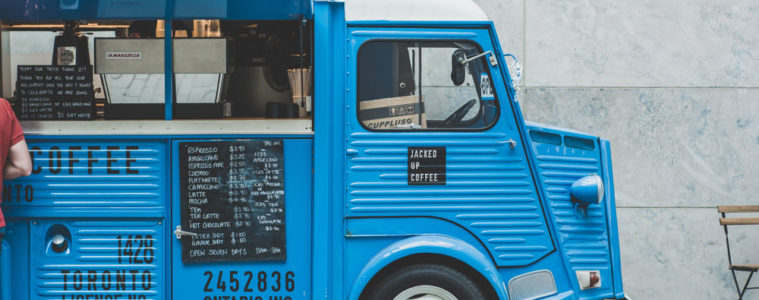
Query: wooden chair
pixel 725 222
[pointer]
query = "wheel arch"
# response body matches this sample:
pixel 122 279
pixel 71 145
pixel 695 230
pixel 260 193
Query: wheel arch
pixel 441 249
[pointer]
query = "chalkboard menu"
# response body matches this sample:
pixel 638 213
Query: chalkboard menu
pixel 233 199
pixel 55 93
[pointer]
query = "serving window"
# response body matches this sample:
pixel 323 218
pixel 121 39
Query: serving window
pixel 418 85
pixel 116 70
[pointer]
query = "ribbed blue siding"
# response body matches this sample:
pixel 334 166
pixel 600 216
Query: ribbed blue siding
pixel 94 253
pixel 92 175
pixel 582 240
pixel 489 189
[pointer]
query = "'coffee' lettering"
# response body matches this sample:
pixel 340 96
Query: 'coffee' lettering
pixel 112 160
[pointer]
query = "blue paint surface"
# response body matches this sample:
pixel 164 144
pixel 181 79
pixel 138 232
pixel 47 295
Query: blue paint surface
pixel 114 201
pixel 489 190
pixel 108 199
pixel 504 210
pixel 584 240
pixel 91 174
pixel 118 257
pixel 384 240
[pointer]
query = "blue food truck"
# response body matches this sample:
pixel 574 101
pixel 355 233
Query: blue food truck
pixel 293 149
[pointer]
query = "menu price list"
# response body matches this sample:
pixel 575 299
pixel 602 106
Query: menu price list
pixel 233 199
pixel 55 93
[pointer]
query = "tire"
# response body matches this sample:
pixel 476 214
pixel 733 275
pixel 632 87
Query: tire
pixel 424 282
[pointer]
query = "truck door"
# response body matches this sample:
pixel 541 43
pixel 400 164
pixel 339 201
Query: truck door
pixel 429 135
pixel 241 211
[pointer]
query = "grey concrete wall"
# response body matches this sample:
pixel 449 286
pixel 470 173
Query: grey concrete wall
pixel 674 85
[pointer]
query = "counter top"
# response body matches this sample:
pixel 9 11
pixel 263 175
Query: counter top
pixel 173 127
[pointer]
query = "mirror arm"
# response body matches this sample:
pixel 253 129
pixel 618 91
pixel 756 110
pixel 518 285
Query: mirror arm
pixel 493 61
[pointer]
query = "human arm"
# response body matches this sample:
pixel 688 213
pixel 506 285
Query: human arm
pixel 19 162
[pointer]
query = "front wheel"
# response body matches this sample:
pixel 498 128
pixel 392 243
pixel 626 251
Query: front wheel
pixel 424 282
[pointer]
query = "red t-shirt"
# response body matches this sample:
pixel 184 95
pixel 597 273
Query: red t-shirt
pixel 10 134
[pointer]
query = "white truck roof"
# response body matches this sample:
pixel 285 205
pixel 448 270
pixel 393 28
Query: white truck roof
pixel 413 10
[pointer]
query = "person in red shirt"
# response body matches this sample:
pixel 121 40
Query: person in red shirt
pixel 14 153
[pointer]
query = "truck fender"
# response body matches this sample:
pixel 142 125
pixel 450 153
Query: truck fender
pixel 430 244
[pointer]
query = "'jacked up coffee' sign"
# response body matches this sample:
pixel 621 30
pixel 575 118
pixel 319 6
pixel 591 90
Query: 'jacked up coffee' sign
pixel 426 166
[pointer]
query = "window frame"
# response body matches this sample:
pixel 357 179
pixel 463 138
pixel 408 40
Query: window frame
pixel 496 117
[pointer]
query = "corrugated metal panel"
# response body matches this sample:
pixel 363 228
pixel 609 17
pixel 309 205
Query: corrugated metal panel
pixel 583 240
pixel 106 260
pixel 489 189
pixel 102 174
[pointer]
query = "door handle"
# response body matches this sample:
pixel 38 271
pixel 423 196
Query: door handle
pixel 512 143
pixel 179 233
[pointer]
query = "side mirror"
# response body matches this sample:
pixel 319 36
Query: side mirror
pixel 458 67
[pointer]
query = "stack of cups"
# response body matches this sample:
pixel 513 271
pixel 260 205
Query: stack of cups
pixel 300 84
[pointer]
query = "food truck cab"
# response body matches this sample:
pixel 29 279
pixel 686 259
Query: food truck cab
pixel 250 149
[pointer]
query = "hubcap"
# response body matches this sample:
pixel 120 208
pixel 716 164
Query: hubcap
pixel 425 292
